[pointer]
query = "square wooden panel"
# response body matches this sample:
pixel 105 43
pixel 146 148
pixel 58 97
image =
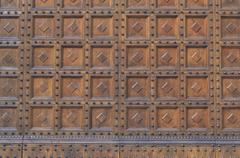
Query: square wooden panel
pixel 9 58
pixel 72 87
pixel 102 87
pixel 8 118
pixel 196 4
pixel 9 27
pixel 230 27
pixel 102 118
pixel 102 27
pixel 167 118
pixel 197 87
pixel 167 57
pixel 167 27
pixel 9 88
pixel 9 4
pixel 72 57
pixel 42 118
pixel 43 3
pixel 138 87
pixel 43 26
pixel 102 57
pixel 131 4
pixel 230 118
pixel 72 118
pixel 167 87
pixel 102 3
pixel 196 27
pixel 197 118
pixel 137 118
pixel 73 4
pixel 138 57
pixel 43 56
pixel 230 57
pixel 173 4
pixel 197 57
pixel 229 4
pixel 230 88
pixel 137 27
pixel 73 27
pixel 42 87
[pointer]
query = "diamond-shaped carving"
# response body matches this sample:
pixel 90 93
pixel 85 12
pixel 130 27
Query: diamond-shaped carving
pixel 72 56
pixel 136 58
pixel 43 118
pixel 102 57
pixel 137 87
pixel 7 59
pixel 9 27
pixel 231 27
pixel 71 117
pixel 166 87
pixel 6 117
pixel 43 57
pixel 137 117
pixel 196 56
pixel 196 117
pixel 166 118
pixel 73 26
pixel 102 27
pixel 74 86
pixel 196 27
pixel 7 88
pixel 102 87
pixel 44 27
pixel 233 89
pixel 232 58
pixel 166 57
pixel 167 27
pixel 137 27
pixel 232 118
pixel 196 87
pixel 101 118
pixel 43 86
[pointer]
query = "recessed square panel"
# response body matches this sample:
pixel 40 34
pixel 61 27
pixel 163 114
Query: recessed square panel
pixel 230 4
pixel 138 57
pixel 138 118
pixel 102 27
pixel 9 58
pixel 9 4
pixel 43 27
pixel 137 27
pixel 167 27
pixel 8 118
pixel 72 118
pixel 43 56
pixel 167 3
pixel 9 27
pixel 167 87
pixel 230 57
pixel 102 3
pixel 197 118
pixel 197 57
pixel 138 87
pixel 73 27
pixel 42 118
pixel 72 57
pixel 230 28
pixel 44 3
pixel 42 87
pixel 102 57
pixel 8 88
pixel 138 4
pixel 102 118
pixel 72 87
pixel 168 118
pixel 231 118
pixel 102 87
pixel 196 27
pixel 195 4
pixel 230 88
pixel 73 4
pixel 197 87
pixel 167 57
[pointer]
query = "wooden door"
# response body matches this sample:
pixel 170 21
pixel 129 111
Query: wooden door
pixel 119 78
